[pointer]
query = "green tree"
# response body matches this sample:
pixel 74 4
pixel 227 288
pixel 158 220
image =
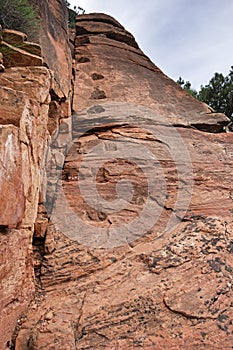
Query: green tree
pixel 19 15
pixel 72 18
pixel 187 87
pixel 73 13
pixel 218 94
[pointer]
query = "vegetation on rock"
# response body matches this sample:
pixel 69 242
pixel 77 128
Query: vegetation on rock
pixel 218 94
pixel 187 86
pixel 20 15
pixel 73 13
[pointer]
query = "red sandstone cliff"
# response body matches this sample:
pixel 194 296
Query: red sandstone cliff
pixel 34 100
pixel 145 265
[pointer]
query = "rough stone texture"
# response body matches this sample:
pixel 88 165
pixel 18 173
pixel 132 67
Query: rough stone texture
pixel 17 57
pixel 25 98
pixel 16 279
pixel 28 120
pixel 2 68
pixel 17 52
pixel 32 48
pixel 12 203
pixel 13 37
pixel 54 40
pixel 164 289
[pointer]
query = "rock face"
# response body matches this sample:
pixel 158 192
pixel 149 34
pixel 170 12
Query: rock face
pixel 12 190
pixel 17 52
pixel 54 40
pixel 19 39
pixel 137 250
pixel 28 92
pixel 145 265
pixel 25 99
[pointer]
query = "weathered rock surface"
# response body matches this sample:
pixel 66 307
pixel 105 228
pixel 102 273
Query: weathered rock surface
pixel 17 52
pixel 13 37
pixel 54 40
pixel 33 48
pixel 19 40
pixel 16 57
pixel 28 120
pixel 12 203
pixel 2 68
pixel 105 283
pixel 25 98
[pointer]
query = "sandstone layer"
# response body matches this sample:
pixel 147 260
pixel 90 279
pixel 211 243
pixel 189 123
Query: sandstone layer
pixel 128 212
pixel 17 51
pixel 166 281
pixel 28 94
pixel 54 41
pixel 24 109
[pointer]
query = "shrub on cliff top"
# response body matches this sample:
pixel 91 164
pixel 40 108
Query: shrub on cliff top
pixel 73 14
pixel 20 15
pixel 218 94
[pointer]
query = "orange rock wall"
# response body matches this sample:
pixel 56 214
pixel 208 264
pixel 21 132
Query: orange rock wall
pixel 55 45
pixel 146 265
pixel 28 92
pixel 118 265
pixel 24 115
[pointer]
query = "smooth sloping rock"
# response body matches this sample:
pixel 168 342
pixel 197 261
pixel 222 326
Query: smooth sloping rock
pixel 109 30
pixel 170 101
pixel 54 41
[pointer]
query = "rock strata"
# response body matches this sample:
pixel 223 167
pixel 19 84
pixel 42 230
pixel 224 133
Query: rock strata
pixel 54 41
pixel 17 52
pixel 131 242
pixel 165 283
pixel 28 92
pixel 25 101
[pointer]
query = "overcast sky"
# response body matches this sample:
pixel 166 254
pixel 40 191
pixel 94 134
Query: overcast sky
pixel 188 38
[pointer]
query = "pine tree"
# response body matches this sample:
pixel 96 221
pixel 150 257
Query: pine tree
pixel 19 15
pixel 218 93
